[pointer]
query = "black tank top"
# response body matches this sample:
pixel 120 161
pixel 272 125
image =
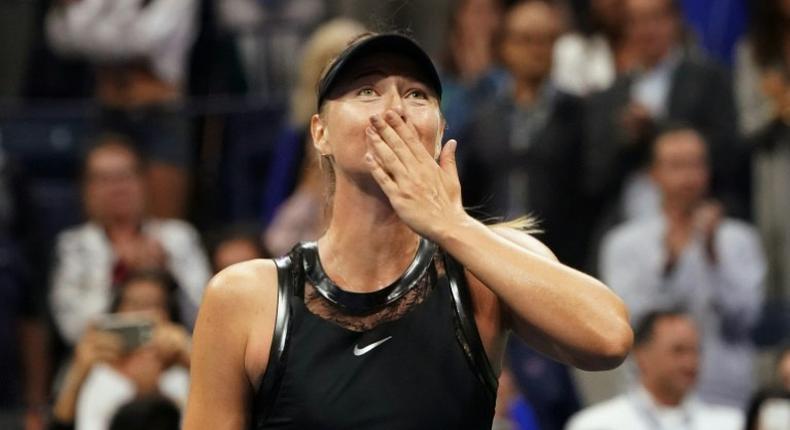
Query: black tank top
pixel 406 357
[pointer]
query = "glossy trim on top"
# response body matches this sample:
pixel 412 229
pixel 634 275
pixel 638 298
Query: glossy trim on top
pixel 470 337
pixel 366 303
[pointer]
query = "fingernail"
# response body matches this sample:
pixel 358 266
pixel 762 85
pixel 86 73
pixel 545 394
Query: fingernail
pixel 368 157
pixel 370 131
pixel 375 119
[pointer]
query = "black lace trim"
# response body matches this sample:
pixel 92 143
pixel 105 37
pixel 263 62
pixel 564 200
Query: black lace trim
pixel 318 305
pixel 366 303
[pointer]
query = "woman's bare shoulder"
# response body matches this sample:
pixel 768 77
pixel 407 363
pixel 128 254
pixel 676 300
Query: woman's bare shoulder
pixel 239 305
pixel 245 286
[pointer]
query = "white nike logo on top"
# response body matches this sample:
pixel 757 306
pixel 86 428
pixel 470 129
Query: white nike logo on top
pixel 361 351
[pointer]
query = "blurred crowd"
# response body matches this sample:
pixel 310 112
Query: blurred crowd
pixel 151 143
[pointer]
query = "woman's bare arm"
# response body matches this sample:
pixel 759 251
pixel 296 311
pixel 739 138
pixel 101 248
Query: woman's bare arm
pixel 562 312
pixel 239 304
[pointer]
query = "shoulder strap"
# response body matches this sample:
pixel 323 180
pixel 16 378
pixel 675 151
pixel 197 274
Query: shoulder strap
pixel 289 281
pixel 468 335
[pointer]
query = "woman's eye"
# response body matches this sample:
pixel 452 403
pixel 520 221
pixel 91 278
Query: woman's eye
pixel 366 92
pixel 420 94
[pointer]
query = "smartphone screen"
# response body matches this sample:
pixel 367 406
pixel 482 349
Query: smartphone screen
pixel 134 331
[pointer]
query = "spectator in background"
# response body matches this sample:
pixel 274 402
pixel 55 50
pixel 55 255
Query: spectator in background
pixel 470 76
pixel 589 60
pixel 107 372
pixel 119 238
pixel 694 257
pixel 520 147
pixel 762 84
pixel 666 350
pixel 515 159
pixel 139 49
pixel 235 244
pixel 294 199
pixel 667 84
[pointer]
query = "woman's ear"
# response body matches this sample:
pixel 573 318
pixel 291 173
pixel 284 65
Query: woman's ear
pixel 320 135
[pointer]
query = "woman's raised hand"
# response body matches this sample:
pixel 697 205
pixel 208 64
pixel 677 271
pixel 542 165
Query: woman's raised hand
pixel 425 194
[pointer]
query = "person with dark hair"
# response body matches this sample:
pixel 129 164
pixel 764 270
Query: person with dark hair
pixel 762 87
pixel 667 83
pixel 522 144
pixel 666 351
pixel 398 315
pixel 139 349
pixel 519 148
pixel 152 412
pixel 118 239
pixel 691 255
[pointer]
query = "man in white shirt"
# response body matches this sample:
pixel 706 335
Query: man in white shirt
pixel 664 82
pixel 667 353
pixel 692 256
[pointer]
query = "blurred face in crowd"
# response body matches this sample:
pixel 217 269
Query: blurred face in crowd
pixel 669 361
pixel 478 16
pixel 372 86
pixel 145 296
pixel 234 251
pixel 653 27
pixel 528 41
pixel 680 168
pixel 114 186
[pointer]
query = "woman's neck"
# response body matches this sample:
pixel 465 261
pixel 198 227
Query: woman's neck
pixel 366 246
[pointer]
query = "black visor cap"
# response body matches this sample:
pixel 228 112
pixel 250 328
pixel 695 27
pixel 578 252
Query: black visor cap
pixel 389 43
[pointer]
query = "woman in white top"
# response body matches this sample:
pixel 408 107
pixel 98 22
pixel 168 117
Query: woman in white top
pixel 119 238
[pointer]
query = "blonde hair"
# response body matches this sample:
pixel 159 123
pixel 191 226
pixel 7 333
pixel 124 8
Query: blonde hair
pixel 326 42
pixel 525 223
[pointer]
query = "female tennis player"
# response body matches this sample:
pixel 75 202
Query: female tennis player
pixel 396 318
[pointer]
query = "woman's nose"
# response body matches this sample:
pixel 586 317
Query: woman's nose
pixel 395 103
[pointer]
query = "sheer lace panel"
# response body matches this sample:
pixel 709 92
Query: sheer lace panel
pixel 324 309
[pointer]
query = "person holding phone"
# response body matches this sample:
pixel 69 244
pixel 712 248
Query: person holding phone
pixel 396 317
pixel 119 237
pixel 139 349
